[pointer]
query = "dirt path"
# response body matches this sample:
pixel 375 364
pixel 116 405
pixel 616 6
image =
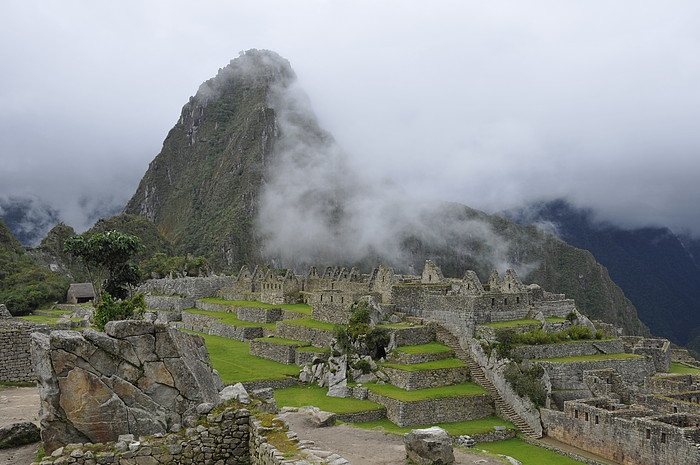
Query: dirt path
pixel 367 447
pixel 18 404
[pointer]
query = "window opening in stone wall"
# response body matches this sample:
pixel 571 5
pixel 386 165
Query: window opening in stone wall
pixel 575 413
pixel 596 419
pixel 517 300
pixel 505 301
pixel 648 433
pixel 675 409
pixel 493 302
pixel 585 416
pixel 663 437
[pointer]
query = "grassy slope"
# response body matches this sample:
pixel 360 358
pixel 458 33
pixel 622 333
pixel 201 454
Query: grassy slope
pixel 526 453
pixel 430 348
pixel 482 425
pixel 302 395
pixel 233 362
pixel 464 389
pixel 436 365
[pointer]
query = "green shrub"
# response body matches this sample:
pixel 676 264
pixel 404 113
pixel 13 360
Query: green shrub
pixel 527 384
pixel 579 332
pixel 359 337
pixel 363 365
pixel 110 310
pixel 571 316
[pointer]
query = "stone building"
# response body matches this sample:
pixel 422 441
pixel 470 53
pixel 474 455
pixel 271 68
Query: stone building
pixel 79 293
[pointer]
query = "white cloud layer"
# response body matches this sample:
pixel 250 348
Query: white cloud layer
pixel 492 104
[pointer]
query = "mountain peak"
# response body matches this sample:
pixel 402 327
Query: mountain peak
pixel 252 68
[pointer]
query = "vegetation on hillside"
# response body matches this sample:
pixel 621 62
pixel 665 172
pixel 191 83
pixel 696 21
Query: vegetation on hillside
pixel 24 285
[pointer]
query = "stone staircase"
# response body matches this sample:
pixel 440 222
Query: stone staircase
pixel 478 376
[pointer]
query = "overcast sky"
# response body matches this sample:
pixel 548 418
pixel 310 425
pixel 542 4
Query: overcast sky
pixel 492 104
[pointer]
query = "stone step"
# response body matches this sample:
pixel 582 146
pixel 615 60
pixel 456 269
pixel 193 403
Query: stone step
pixel 480 378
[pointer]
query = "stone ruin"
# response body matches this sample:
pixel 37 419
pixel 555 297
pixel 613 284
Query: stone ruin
pixel 136 378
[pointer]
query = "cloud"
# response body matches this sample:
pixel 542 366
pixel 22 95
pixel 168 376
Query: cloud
pixel 492 104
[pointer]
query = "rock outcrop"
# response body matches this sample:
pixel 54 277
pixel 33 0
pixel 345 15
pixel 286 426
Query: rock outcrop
pixel 136 378
pixel 429 446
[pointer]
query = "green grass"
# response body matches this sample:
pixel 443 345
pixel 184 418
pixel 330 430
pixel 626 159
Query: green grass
pixel 45 319
pixel 230 318
pixel 512 323
pixel 300 308
pixel 683 369
pixel 310 323
pixel 589 358
pixel 233 362
pixel 483 425
pixel 302 395
pixel 393 392
pixel 526 453
pixel 430 348
pixel 400 326
pixel 283 341
pixel 56 312
pixel 436 365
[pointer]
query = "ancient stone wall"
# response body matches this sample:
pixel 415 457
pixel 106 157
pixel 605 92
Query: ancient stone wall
pixel 210 325
pixel 171 304
pixel 305 357
pixel 410 359
pixel 259 315
pixel 570 375
pixel 423 379
pixel 278 352
pixel 570 349
pixel 15 355
pixel 314 336
pixel 630 437
pixel 213 306
pixel 446 409
pixel 411 335
pixel 193 287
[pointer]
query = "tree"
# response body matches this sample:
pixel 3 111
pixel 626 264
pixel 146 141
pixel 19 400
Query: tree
pixel 106 256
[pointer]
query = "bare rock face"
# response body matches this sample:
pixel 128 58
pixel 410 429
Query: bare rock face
pixel 429 446
pixel 136 378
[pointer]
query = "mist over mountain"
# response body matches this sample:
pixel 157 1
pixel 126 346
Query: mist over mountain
pixel 656 268
pixel 248 176
pixel 28 218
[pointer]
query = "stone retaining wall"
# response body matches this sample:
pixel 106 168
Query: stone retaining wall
pixel 362 417
pixel 314 336
pixel 214 307
pixel 411 359
pixel 193 287
pixel 251 386
pixel 210 325
pixel 172 304
pixel 570 375
pixel 423 379
pixel 15 353
pixel 306 357
pixel 273 351
pixel 443 410
pixel 259 315
pixel 570 349
pixel 411 336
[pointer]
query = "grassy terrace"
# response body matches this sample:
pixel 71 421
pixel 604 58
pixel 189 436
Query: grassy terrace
pixel 230 318
pixel 45 319
pixel 309 348
pixel 393 392
pixel 512 323
pixel 400 326
pixel 523 322
pixel 283 341
pixel 683 369
pixel 310 323
pixel 589 358
pixel 302 395
pixel 300 308
pixel 436 365
pixel 526 453
pixel 483 425
pixel 233 362
pixel 430 348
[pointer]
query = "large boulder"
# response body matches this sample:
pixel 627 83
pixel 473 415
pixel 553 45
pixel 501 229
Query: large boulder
pixel 429 446
pixel 138 377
